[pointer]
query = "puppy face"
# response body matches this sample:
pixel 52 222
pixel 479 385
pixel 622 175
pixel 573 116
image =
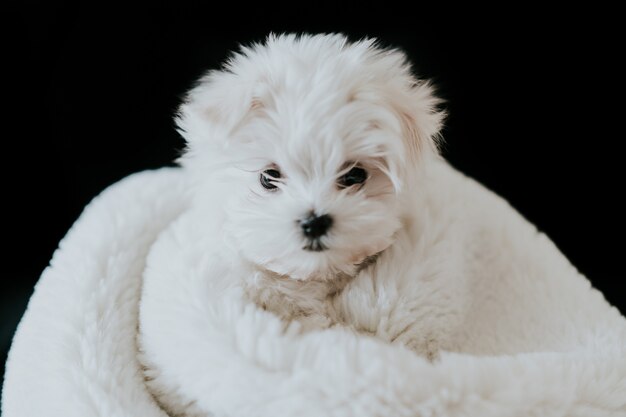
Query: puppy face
pixel 308 144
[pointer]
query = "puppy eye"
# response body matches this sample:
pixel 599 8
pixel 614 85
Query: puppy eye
pixel 268 177
pixel 356 175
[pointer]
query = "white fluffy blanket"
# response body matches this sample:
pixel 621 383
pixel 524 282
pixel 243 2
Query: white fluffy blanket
pixel 530 346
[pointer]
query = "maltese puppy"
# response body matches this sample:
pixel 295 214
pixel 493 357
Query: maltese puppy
pixel 311 155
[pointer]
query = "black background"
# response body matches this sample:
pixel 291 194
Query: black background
pixel 535 101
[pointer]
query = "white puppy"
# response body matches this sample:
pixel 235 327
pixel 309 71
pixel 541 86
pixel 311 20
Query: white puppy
pixel 309 152
pixel 317 188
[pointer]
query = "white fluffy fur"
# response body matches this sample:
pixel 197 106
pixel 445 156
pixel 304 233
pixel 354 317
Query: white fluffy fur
pixel 434 297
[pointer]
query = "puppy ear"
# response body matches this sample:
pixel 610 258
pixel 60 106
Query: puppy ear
pixel 214 109
pixel 421 120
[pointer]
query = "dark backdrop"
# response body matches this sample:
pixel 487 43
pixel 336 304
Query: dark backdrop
pixel 531 97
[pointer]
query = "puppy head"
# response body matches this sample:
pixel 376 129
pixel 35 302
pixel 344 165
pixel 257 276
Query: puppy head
pixel 308 144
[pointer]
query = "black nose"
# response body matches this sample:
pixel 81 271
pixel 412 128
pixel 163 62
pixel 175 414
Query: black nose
pixel 316 226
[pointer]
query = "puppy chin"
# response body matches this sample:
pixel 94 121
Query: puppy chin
pixel 323 266
pixel 311 270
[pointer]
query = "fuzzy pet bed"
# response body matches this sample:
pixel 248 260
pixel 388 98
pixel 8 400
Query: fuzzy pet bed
pixel 532 347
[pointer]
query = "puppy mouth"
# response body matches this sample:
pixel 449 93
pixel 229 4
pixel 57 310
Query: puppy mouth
pixel 314 245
